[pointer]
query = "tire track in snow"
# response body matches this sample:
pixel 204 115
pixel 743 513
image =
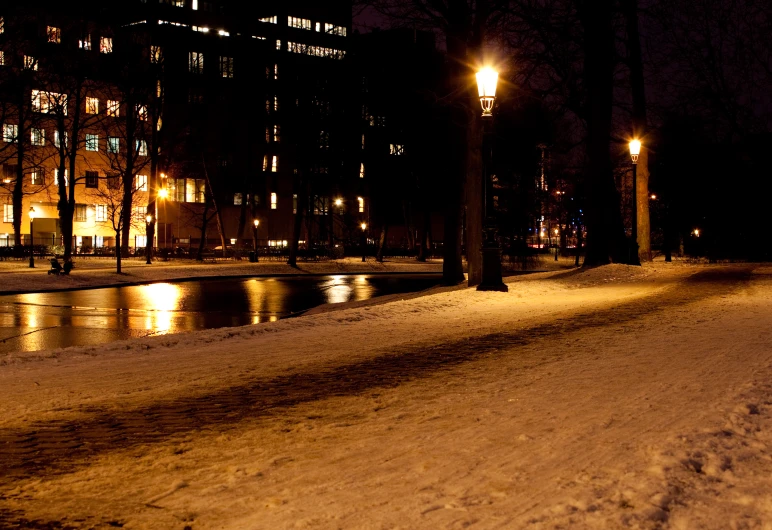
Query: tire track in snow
pixel 62 445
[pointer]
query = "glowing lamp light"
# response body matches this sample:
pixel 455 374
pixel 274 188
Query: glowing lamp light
pixel 31 212
pixel 696 232
pixel 653 197
pixel 149 218
pixel 256 222
pixel 635 150
pixel 556 231
pixel 338 202
pixel 163 193
pixel 487 78
pixel 364 226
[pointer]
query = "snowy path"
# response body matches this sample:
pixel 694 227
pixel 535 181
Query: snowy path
pixel 614 398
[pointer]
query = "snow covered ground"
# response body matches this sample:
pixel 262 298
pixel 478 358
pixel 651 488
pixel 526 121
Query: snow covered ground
pixel 618 397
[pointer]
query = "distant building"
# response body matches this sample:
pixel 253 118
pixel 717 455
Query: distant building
pixel 240 108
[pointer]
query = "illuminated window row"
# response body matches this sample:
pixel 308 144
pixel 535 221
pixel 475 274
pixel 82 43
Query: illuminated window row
pixel 300 23
pixel 315 51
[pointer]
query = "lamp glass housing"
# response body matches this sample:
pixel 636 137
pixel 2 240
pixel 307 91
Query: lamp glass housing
pixel 635 150
pixel 31 212
pixel 487 79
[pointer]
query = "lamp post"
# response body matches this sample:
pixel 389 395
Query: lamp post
pixel 487 78
pixel 557 243
pixel 635 150
pixel 364 242
pixel 255 224
pixel 31 238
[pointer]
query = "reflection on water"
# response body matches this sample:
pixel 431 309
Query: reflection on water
pixel 38 321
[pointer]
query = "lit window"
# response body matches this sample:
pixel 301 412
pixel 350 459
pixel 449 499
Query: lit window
pixel 140 182
pixel 85 42
pixel 362 170
pixel 270 20
pixel 57 139
pixel 226 67
pixel 113 144
pixel 48 102
pixel 54 34
pixel 274 164
pixel 92 105
pixel 92 179
pixel 294 203
pixel 142 112
pixel 363 141
pixel 196 62
pixel 2 25
pixel 37 137
pixel 10 132
pixel 56 177
pixel 113 108
pixel 101 213
pixel 276 133
pixel 318 26
pixel 237 199
pixel 276 71
pixel 300 23
pixel 37 178
pixel 276 103
pixel 156 54
pixel 30 63
pixel 194 6
pixel 278 45
pixel 2 58
pixel 265 163
pixel 106 45
pixel 332 29
pixel 141 148
pixel 7 213
pixel 396 149
pixel 361 202
pixel 273 201
pixel 99 241
pixel 92 142
pixel 80 213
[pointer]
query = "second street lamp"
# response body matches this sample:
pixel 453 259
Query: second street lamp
pixel 255 224
pixel 31 238
pixel 487 79
pixel 364 241
pixel 635 150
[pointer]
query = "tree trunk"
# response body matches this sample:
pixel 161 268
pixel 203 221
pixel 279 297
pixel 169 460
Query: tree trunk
pixel 635 63
pixel 118 251
pixel 217 212
pixel 382 243
pixel 605 232
pixel 473 191
pixel 297 226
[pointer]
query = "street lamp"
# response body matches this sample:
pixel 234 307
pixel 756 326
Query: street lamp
pixel 255 224
pixel 31 238
pixel 635 150
pixel 557 243
pixel 364 242
pixel 487 78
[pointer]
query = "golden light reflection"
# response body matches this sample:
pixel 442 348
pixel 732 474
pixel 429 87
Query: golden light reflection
pixel 160 300
pixel 337 291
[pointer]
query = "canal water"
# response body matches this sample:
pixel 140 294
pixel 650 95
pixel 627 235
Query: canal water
pixel 41 321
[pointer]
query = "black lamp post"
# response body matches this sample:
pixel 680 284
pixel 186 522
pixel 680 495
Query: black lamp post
pixel 635 150
pixel 364 242
pixel 255 224
pixel 31 238
pixel 487 78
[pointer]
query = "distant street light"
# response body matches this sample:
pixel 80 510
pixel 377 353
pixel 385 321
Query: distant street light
pixel 364 241
pixel 635 150
pixel 338 202
pixel 487 79
pixel 557 243
pixel 31 238
pixel 255 224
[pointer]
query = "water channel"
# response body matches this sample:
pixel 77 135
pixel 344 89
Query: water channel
pixel 41 321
